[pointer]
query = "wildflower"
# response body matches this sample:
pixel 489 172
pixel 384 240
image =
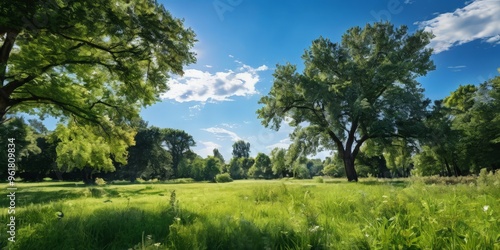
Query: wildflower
pixel 485 208
pixel 157 244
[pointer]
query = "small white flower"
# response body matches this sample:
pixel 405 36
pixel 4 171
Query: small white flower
pixel 485 208
pixel 157 244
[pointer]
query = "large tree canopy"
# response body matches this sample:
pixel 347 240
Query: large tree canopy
pixel 93 64
pixel 88 59
pixel 359 89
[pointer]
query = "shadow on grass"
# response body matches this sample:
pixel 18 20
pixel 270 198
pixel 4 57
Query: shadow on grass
pixel 132 227
pixel 25 198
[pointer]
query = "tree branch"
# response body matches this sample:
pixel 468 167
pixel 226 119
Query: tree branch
pixel 5 50
pixel 11 86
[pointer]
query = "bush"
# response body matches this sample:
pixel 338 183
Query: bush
pixel 220 178
pixel 139 180
pixel 100 181
pixel 486 178
pixel 318 179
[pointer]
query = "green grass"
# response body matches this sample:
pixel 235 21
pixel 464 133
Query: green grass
pixel 286 214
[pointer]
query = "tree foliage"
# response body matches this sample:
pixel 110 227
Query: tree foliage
pixel 349 92
pixel 218 155
pixel 262 168
pixel 278 162
pixel 89 59
pixel 463 132
pixel 93 64
pixel 147 158
pixel 241 149
pixel 178 143
pixel 23 139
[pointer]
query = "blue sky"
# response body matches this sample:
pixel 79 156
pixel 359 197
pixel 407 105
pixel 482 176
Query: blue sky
pixel 241 41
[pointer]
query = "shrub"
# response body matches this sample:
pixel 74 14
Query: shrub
pixel 486 178
pixel 318 179
pixel 223 178
pixel 100 181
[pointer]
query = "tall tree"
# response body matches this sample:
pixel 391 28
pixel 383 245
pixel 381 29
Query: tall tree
pixel 93 64
pixel 147 158
pixel 441 140
pixel 178 143
pixel 218 155
pixel 241 149
pixel 359 89
pixel 261 168
pixel 37 165
pixel 212 168
pixel 476 112
pixel 20 136
pixel 278 162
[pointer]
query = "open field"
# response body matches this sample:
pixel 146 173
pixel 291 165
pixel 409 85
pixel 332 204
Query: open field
pixel 284 214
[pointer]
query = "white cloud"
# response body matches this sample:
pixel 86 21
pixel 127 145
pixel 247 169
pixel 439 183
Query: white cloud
pixel 205 148
pixel 222 133
pixel 231 56
pixel 457 67
pixel 408 1
pixel 262 68
pixel 478 20
pixel 208 66
pixel 285 143
pixel 494 39
pixel 203 86
pixel 194 110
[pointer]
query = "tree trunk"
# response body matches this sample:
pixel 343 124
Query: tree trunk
pixel 456 168
pixel 3 106
pixel 447 167
pixel 350 171
pixel 87 176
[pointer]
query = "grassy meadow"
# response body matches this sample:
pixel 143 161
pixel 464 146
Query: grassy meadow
pixel 251 214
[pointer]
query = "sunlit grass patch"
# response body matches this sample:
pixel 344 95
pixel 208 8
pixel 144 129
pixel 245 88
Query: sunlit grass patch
pixel 250 214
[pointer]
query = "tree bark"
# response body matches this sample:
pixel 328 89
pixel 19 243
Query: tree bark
pixel 456 168
pixel 3 106
pixel 350 171
pixel 87 176
pixel 448 170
